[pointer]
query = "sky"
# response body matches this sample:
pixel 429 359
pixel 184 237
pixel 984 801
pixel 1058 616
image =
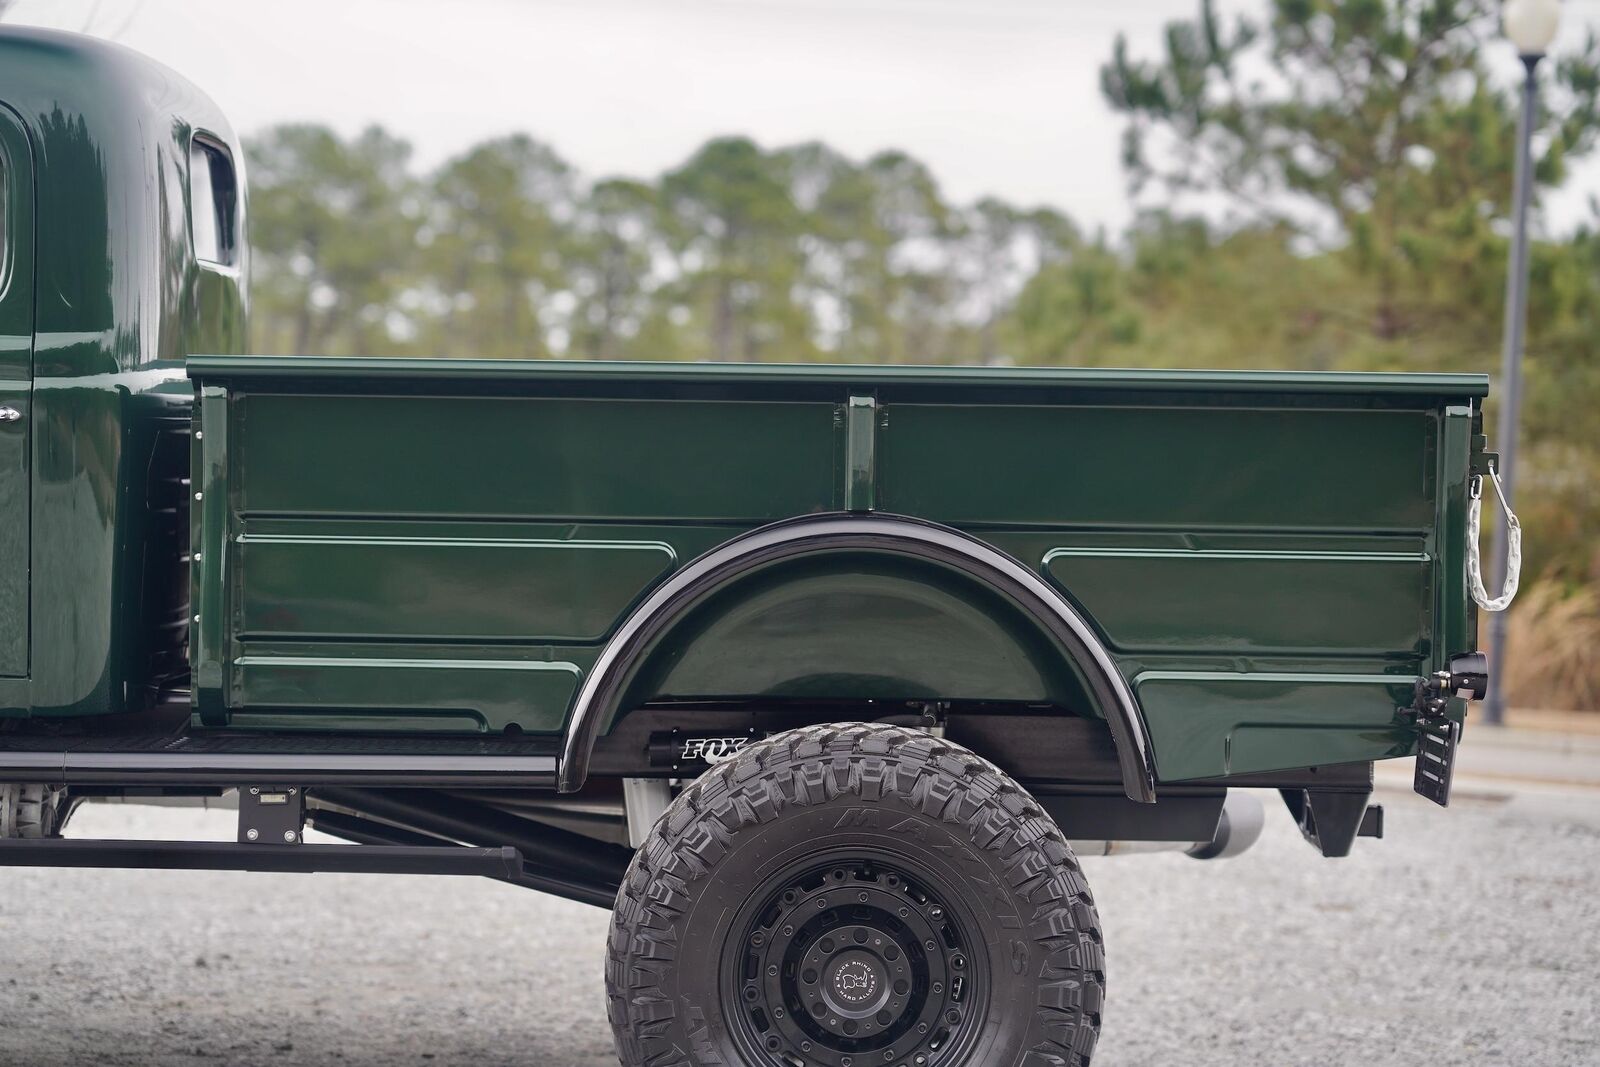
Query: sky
pixel 998 96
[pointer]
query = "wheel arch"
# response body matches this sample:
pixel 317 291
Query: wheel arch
pixel 1051 616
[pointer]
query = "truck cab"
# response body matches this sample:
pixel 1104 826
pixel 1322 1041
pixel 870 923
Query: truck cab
pixel 124 253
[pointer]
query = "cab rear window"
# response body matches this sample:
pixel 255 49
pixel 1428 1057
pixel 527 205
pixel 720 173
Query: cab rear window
pixel 213 203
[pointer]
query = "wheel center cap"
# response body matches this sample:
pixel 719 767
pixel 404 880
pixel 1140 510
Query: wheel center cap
pixel 854 984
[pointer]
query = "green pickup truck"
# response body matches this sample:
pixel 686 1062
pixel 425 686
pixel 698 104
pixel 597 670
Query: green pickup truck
pixel 819 677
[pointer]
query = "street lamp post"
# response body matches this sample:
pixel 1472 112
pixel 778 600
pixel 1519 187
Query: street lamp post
pixel 1531 25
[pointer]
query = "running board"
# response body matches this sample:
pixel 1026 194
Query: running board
pixel 235 759
pixel 502 863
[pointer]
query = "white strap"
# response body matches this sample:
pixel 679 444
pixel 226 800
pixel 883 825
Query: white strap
pixel 1513 548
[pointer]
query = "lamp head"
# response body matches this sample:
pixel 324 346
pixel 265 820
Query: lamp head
pixel 1531 24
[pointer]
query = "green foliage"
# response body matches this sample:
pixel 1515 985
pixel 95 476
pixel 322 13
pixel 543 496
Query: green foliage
pixel 1367 153
pixel 609 257
pixel 333 228
pixel 493 246
pixel 734 227
pixel 1372 126
pixel 1362 147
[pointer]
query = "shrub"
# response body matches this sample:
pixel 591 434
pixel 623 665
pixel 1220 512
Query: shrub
pixel 1553 659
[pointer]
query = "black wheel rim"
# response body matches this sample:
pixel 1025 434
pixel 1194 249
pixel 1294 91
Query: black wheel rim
pixel 849 962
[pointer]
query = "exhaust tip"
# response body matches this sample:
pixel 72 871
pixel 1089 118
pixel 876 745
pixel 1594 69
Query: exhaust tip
pixel 1238 828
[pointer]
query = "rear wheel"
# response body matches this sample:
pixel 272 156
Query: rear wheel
pixel 855 895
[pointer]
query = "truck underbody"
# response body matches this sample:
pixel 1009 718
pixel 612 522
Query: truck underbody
pixel 442 801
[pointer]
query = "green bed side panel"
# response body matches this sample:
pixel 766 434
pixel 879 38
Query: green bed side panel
pixel 478 586
pixel 534 457
pixel 416 693
pixel 1255 602
pixel 1160 467
pixel 1207 724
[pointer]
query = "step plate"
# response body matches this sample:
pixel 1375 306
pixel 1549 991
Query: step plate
pixel 1436 761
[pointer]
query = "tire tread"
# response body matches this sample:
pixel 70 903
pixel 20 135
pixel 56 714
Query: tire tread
pixel 873 763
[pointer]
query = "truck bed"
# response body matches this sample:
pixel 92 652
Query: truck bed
pixel 435 546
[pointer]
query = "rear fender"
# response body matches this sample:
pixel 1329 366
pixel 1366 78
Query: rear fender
pixel 970 600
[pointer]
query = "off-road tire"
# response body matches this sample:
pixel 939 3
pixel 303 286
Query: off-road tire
pixel 881 790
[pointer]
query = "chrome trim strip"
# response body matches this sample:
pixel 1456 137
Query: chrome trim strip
pixel 434 664
pixel 1238 553
pixel 1279 677
pixel 452 542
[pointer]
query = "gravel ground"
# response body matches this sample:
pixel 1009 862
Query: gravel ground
pixel 1466 937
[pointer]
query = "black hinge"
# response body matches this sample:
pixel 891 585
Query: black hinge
pixel 1482 461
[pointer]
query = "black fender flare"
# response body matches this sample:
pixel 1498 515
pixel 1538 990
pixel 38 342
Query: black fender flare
pixel 613 671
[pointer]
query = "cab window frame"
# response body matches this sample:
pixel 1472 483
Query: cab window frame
pixel 213 177
pixel 7 205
